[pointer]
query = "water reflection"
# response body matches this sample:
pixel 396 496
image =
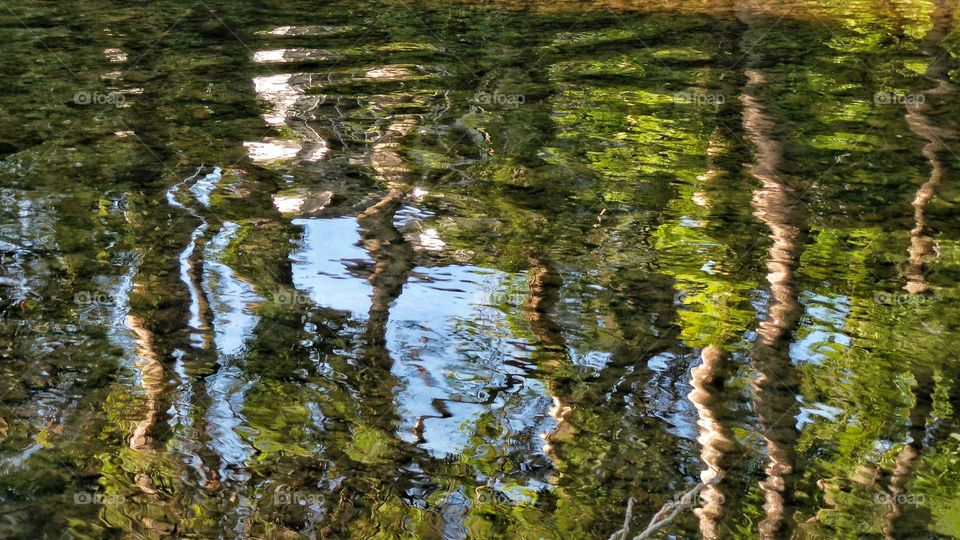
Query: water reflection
pixel 478 270
pixel 457 362
pixel 332 266
pixel 921 245
pixel 775 387
pixel 715 439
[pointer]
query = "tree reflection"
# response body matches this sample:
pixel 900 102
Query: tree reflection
pixel 775 387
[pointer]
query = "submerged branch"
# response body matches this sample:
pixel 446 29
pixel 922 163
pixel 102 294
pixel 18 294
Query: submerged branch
pixel 667 513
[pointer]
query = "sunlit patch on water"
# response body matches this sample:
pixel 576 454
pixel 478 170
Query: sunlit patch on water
pixel 307 30
pixel 280 93
pixel 274 56
pixel 430 240
pixel 116 56
pixel 272 151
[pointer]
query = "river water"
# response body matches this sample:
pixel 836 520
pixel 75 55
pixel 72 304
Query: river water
pixel 395 269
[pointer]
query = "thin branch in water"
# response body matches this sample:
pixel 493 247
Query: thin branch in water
pixel 665 516
pixel 622 533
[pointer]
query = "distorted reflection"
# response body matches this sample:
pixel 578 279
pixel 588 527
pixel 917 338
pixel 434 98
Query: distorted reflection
pixel 274 56
pixel 479 270
pixel 775 385
pixel 331 266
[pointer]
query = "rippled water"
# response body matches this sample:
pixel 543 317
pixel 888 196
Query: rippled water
pixel 379 269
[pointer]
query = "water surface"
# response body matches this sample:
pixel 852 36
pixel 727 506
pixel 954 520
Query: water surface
pixel 379 269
